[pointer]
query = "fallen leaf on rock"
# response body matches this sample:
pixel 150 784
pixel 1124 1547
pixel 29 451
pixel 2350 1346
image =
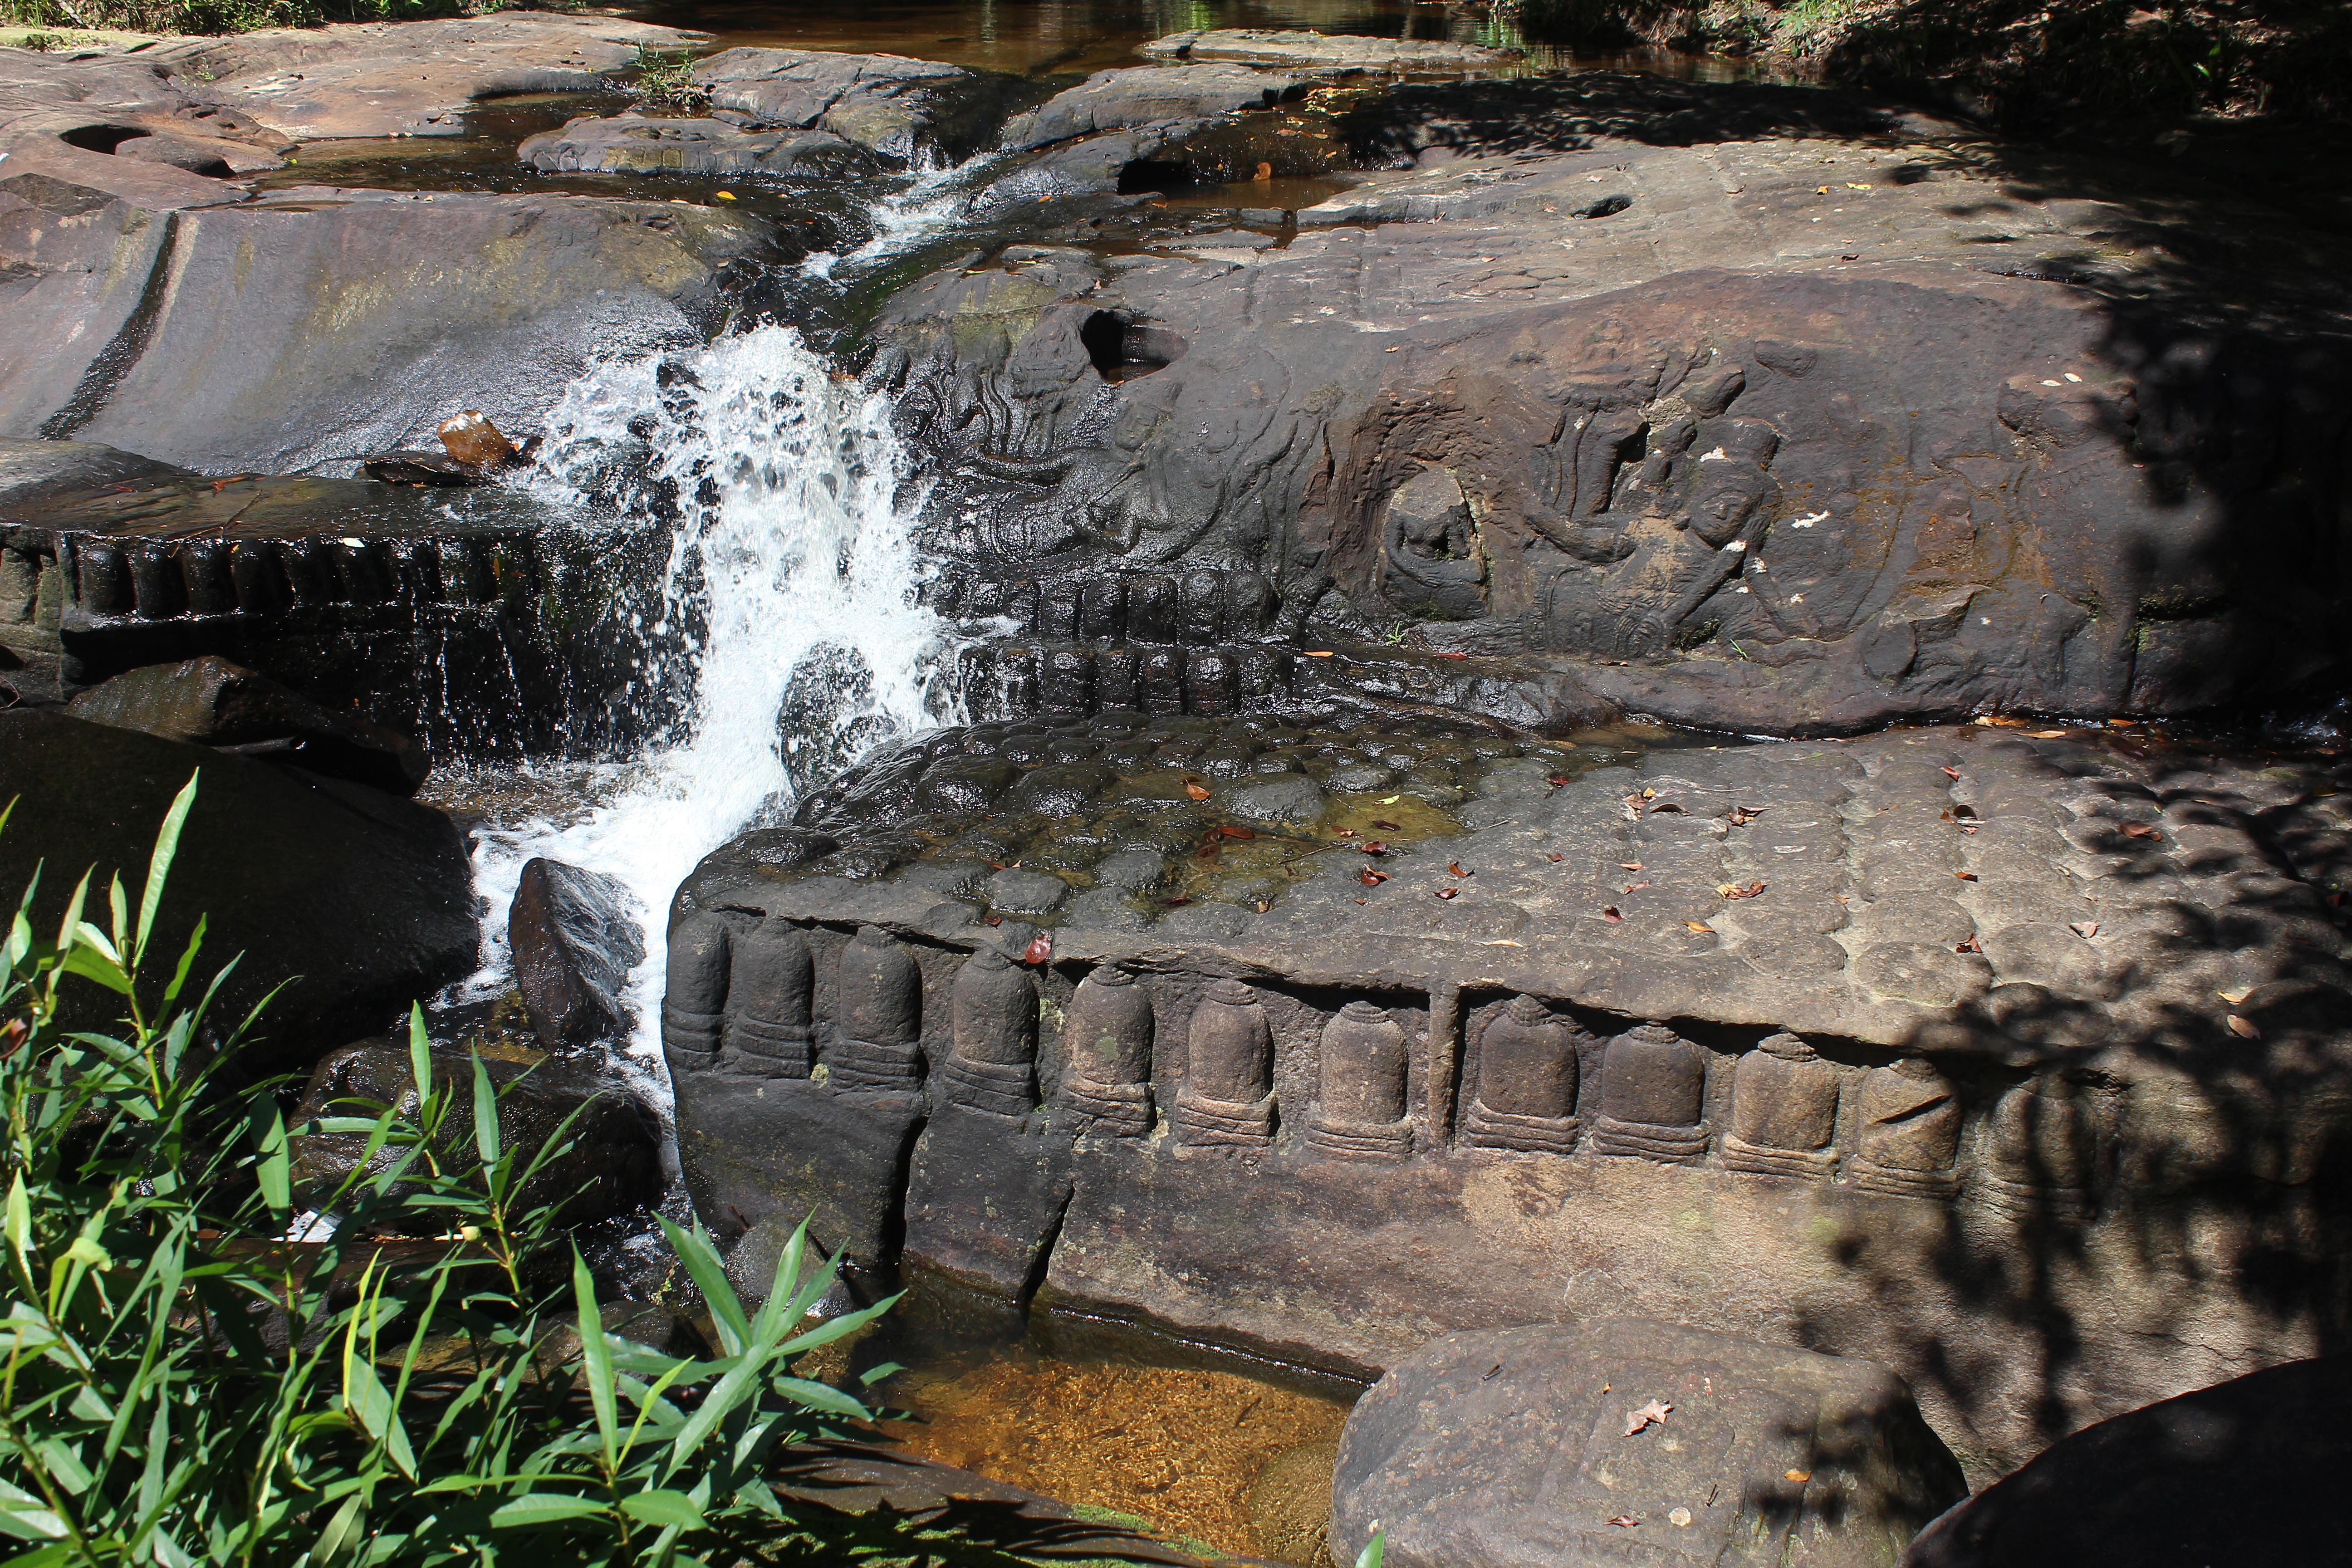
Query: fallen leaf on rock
pixel 1629 865
pixel 2086 930
pixel 1391 799
pixel 1447 892
pixel 1229 831
pixel 1966 876
pixel 1557 780
pixel 1372 879
pixel 2243 1028
pixel 1820 190
pixel 1343 833
pixel 1392 826
pixel 1972 945
pixel 1741 815
pixel 1040 949
pixel 1624 1521
pixel 1649 1415
pixel 1555 859
pixel 996 920
pixel 1951 772
pixel 1176 901
pixel 2048 735
pixel 2140 830
pixel 1372 847
pixel 1318 653
pixel 1749 892
pixel 1196 789
pixel 1701 927
pixel 1454 656
pixel 2234 998
pixel 1454 867
pixel 1263 906
pixel 1649 795
pixel 1632 887
pixel 1799 1476
pixel 1610 914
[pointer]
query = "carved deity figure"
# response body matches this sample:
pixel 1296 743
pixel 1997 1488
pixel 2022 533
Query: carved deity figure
pixel 1784 1104
pixel 876 1041
pixel 1653 1097
pixel 1910 1139
pixel 2042 1153
pixel 694 998
pixel 1107 1044
pixel 1361 1113
pixel 1525 1097
pixel 992 1014
pixel 1227 1099
pixel 770 980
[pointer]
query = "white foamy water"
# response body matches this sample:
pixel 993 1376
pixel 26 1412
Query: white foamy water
pixel 792 574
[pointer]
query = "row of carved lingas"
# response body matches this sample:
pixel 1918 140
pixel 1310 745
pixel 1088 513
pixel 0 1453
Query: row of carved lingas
pixel 1109 1034
pixel 1227 1099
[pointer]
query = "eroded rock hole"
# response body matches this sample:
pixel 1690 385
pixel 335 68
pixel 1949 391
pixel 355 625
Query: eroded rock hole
pixel 100 138
pixel 1122 350
pixel 1155 176
pixel 1606 207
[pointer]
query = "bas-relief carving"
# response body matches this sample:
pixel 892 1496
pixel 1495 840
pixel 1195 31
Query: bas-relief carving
pixel 2042 1151
pixel 772 979
pixel 1227 1099
pixel 1653 1097
pixel 993 1017
pixel 1364 1062
pixel 876 1040
pixel 1107 1044
pixel 1910 1139
pixel 693 999
pixel 1784 1104
pixel 1526 1097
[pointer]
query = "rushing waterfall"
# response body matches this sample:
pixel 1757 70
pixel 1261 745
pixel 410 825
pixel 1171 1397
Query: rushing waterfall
pixel 787 636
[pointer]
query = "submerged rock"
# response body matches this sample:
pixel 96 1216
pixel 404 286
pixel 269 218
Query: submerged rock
pixel 612 1164
pixel 209 701
pixel 1115 99
pixel 636 143
pixel 574 943
pixel 1529 1447
pixel 359 901
pixel 1300 49
pixel 895 106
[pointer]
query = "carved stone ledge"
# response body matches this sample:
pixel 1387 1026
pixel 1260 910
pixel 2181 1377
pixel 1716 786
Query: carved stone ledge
pixel 1205 1123
pixel 1650 1141
pixel 1373 1141
pixel 1486 1128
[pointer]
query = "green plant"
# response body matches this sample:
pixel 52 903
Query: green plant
pixel 181 1386
pixel 667 78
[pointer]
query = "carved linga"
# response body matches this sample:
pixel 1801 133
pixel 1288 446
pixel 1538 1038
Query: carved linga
pixel 992 1016
pixel 876 1041
pixel 1910 1139
pixel 1108 1041
pixel 1227 1100
pixel 694 996
pixel 772 979
pixel 1361 1114
pixel 2042 1152
pixel 1527 1081
pixel 1653 1097
pixel 1784 1103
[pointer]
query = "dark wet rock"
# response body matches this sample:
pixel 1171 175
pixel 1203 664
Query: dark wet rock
pixel 573 943
pixel 1760 417
pixel 1815 1039
pixel 637 143
pixel 892 105
pixel 665 1331
pixel 1117 100
pixel 2244 1471
pixel 310 581
pixel 404 79
pixel 1525 1447
pixel 32 472
pixel 209 701
pixel 612 1164
pixel 1304 50
pixel 358 900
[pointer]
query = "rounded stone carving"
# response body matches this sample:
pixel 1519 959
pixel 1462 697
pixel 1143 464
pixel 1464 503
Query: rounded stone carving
pixel 1108 1040
pixel 1228 1094
pixel 1527 1081
pixel 992 1014
pixel 694 994
pixel 1910 1139
pixel 1784 1103
pixel 1365 1061
pixel 2043 1152
pixel 875 1039
pixel 1430 561
pixel 1653 1097
pixel 770 980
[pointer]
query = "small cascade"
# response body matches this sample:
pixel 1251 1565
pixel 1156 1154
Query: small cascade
pixel 787 637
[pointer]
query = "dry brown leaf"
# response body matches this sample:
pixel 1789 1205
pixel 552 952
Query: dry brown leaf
pixel 1651 1415
pixel 1372 879
pixel 1229 831
pixel 1632 887
pixel 1372 847
pixel 1797 1476
pixel 1951 772
pixel 1040 949
pixel 1196 789
pixel 1454 867
pixel 1447 892
pixel 1649 795
pixel 1180 900
pixel 1624 1521
pixel 1392 826
pixel 1749 892
pixel 1556 858
pixel 2140 830
pixel 1701 927
pixel 1555 780
pixel 2086 930
pixel 2243 1028
pixel 1741 815
pixel 2234 998
pixel 1972 945
pixel 1612 916
pixel 1454 656
pixel 996 920
pixel 1629 865
pixel 2048 735
pixel 1966 876
pixel 1343 832
pixel 1318 653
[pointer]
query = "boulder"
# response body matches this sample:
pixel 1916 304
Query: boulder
pixel 1914 1048
pixel 612 1164
pixel 573 943
pixel 1623 1437
pixel 357 901
pixel 1299 50
pixel 1695 402
pixel 1117 100
pixel 209 701
pixel 2239 1472
pixel 637 143
pixel 895 106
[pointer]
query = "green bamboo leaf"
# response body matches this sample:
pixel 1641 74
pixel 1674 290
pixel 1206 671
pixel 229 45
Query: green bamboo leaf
pixel 344 1531
pixel 541 1508
pixel 96 965
pixel 1370 1557
pixel 187 962
pixel 595 1356
pixel 821 1397
pixel 833 1328
pixel 660 1506
pixel 709 1275
pixel 420 1052
pixel 159 865
pixel 118 917
pixel 485 1115
pixel 26 1516
pixel 274 1173
pixel 782 1307
pixel 72 922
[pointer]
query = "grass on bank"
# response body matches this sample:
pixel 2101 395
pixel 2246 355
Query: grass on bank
pixel 44 25
pixel 181 1386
